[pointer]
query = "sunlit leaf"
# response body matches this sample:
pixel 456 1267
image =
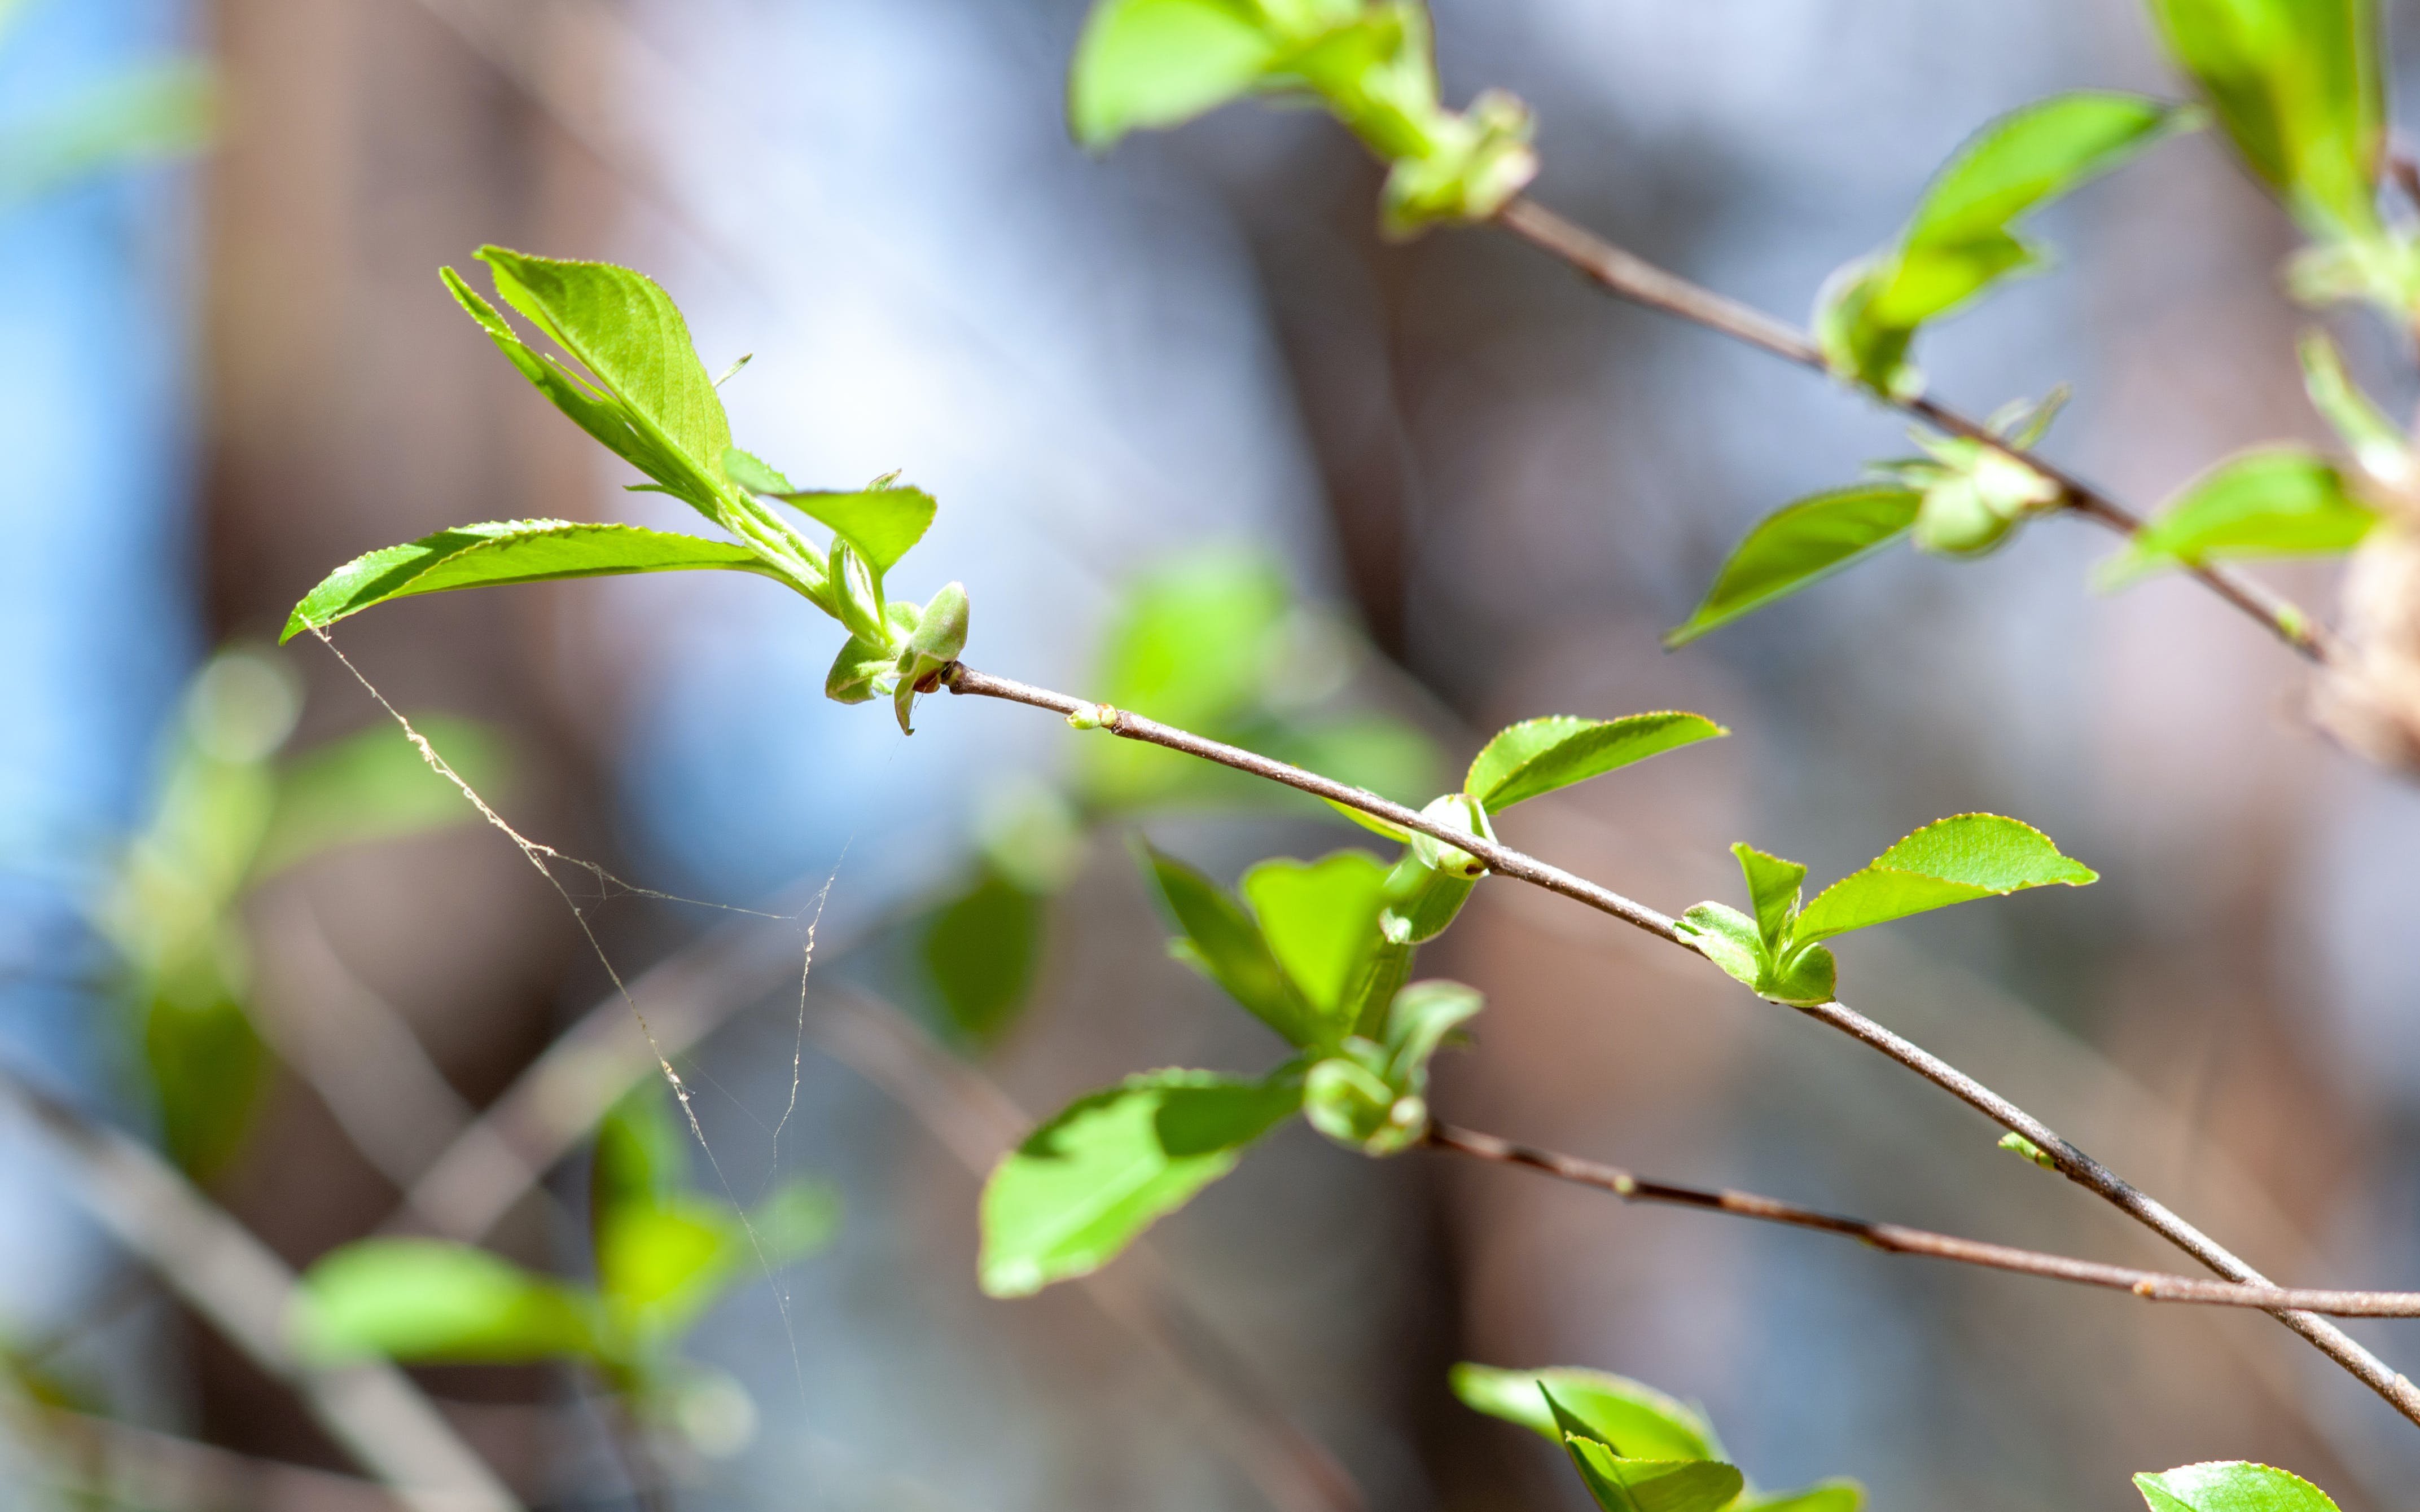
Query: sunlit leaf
pixel 1772 886
pixel 1149 63
pixel 1637 1420
pixel 1079 1188
pixel 375 785
pixel 660 1263
pixel 881 523
pixel 509 551
pixel 1320 920
pixel 1948 861
pixel 1418 1022
pixel 1620 1483
pixel 1537 756
pixel 1793 546
pixel 1224 943
pixel 2230 1486
pixel 1824 1496
pixel 2376 442
pixel 2280 502
pixel 2298 87
pixel 425 1300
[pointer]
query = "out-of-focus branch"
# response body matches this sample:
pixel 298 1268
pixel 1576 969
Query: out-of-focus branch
pixel 1503 860
pixel 232 1279
pixel 128 1466
pixel 1626 275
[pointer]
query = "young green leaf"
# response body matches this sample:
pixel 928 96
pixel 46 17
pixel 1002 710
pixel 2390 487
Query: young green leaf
pixel 208 1068
pixel 2230 1486
pixel 1960 241
pixel 752 472
pixel 1351 1102
pixel 1418 1022
pixel 1152 63
pixel 1537 756
pixel 1225 944
pixel 979 952
pixel 1948 861
pixel 1799 544
pixel 660 1262
pixel 424 1300
pixel 375 786
pixel 2280 502
pixel 940 635
pixel 626 331
pixel 2381 449
pixel 2017 1144
pixel 1620 1483
pixel 1079 1188
pixel 1637 1420
pixel 1730 940
pixel 2299 87
pixel 509 551
pixel 1320 921
pixel 1772 886
pixel 881 523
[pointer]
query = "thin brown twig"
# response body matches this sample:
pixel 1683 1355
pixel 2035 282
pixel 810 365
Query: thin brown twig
pixel 1898 1238
pixel 1627 275
pixel 1503 860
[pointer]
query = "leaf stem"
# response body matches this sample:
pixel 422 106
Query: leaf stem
pixel 1898 1238
pixel 1626 275
pixel 1503 860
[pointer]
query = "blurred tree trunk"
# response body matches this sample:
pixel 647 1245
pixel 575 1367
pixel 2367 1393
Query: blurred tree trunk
pixel 350 406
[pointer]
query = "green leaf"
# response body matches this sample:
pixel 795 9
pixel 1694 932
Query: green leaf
pixel 375 786
pixel 880 523
pixel 1625 1484
pixel 979 952
pixel 1320 922
pixel 1951 860
pixel 751 472
pixel 2017 1144
pixel 1418 1022
pixel 1637 1420
pixel 1537 756
pixel 660 1263
pixel 151 113
pixel 423 1300
pixel 1772 886
pixel 626 331
pixel 207 1069
pixel 1226 944
pixel 1824 1496
pixel 2376 442
pixel 1193 644
pixel 2230 1486
pixel 1961 240
pixel 509 551
pixel 2280 502
pixel 2298 87
pixel 1729 939
pixel 642 1154
pixel 1149 63
pixel 1798 544
pixel 1079 1189
pixel 1352 1104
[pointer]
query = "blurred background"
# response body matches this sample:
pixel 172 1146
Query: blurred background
pixel 1394 497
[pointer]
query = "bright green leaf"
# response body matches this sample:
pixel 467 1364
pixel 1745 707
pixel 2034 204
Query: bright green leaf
pixel 1225 945
pixel 1824 1496
pixel 660 1262
pixel 424 1300
pixel 1619 1483
pixel 1637 1420
pixel 2232 1485
pixel 626 331
pixel 1151 62
pixel 509 551
pixel 1948 861
pixel 979 951
pixel 1354 1105
pixel 2376 442
pixel 1320 920
pixel 1418 1022
pixel 1537 756
pixel 642 1152
pixel 375 786
pixel 2280 502
pixel 1079 1188
pixel 1729 939
pixel 1772 886
pixel 1193 644
pixel 2017 1144
pixel 2298 86
pixel 1795 546
pixel 881 523
pixel 751 472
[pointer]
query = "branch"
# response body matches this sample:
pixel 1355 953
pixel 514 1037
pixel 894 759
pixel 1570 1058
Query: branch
pixel 1896 1239
pixel 1505 861
pixel 1626 275
pixel 231 1278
